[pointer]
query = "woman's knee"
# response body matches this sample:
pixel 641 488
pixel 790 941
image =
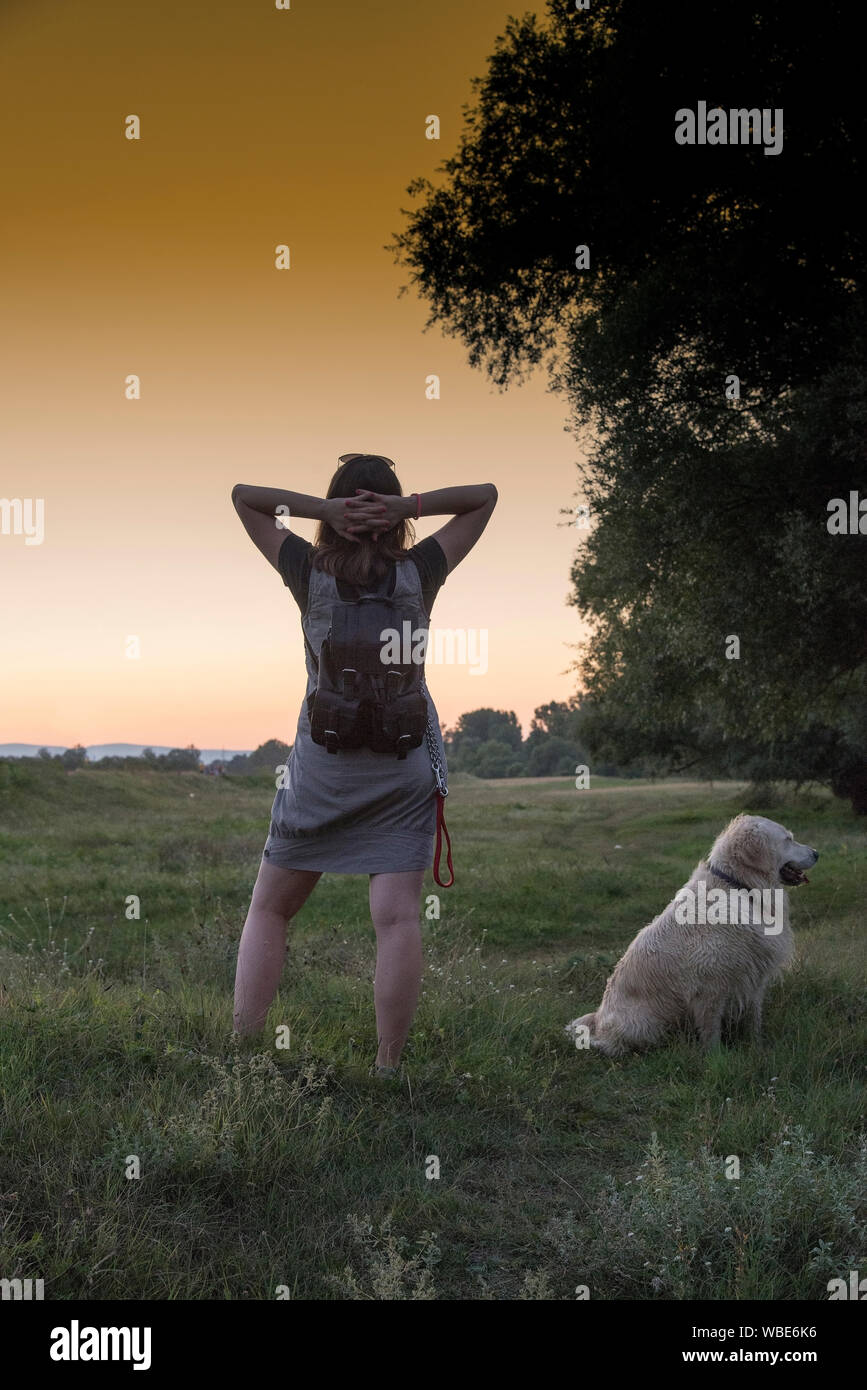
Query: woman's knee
pixel 397 924
pixel 395 900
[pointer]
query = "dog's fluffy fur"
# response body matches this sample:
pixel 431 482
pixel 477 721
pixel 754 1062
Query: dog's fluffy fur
pixel 701 975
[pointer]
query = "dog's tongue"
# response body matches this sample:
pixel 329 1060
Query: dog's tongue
pixel 793 875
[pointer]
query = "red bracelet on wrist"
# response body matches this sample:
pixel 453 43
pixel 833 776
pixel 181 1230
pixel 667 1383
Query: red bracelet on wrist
pixel 417 496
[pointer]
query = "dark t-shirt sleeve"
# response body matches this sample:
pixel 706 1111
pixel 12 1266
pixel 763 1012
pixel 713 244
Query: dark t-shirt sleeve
pixel 293 562
pixel 432 567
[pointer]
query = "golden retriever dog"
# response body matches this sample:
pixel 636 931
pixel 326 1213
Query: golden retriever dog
pixel 706 961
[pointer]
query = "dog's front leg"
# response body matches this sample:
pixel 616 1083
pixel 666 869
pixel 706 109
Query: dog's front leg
pixel 753 1016
pixel 707 1016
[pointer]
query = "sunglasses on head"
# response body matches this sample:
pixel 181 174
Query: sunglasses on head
pixel 349 458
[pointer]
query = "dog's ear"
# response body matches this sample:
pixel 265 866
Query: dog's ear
pixel 747 844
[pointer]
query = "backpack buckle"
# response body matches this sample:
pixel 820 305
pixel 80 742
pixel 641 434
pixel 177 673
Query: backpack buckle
pixel 399 677
pixel 349 684
pixel 332 740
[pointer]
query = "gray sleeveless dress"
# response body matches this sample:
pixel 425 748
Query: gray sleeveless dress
pixel 356 811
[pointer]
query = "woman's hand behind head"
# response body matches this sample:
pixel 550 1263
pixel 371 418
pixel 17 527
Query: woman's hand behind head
pixel 378 512
pixel 337 516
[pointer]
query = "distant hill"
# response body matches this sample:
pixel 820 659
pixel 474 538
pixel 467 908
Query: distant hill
pixel 113 750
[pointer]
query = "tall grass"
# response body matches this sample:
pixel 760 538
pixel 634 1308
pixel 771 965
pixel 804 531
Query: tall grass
pixel 264 1168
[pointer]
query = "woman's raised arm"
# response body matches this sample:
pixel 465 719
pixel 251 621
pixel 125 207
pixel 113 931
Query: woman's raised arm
pixel 266 513
pixel 470 507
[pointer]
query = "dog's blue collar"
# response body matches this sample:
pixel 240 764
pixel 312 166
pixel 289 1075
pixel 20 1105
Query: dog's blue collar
pixel 720 873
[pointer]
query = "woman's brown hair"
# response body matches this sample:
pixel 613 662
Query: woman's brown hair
pixel 363 560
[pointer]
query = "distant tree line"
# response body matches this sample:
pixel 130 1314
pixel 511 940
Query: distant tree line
pixel 489 743
pixel 176 760
pixel 564 735
pixel 268 756
pixel 484 743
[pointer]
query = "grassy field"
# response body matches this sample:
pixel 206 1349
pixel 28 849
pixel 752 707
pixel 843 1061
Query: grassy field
pixel 264 1168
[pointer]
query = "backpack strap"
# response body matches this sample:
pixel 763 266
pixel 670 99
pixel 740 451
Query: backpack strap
pixel 384 589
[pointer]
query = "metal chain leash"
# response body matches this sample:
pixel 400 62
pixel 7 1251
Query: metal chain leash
pixel 439 771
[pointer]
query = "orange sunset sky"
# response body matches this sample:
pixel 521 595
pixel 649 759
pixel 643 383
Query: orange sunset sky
pixel 157 257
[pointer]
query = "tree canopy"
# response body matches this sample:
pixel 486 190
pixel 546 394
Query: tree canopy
pixel 711 356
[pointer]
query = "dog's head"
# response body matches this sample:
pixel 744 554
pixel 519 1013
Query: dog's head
pixel 760 848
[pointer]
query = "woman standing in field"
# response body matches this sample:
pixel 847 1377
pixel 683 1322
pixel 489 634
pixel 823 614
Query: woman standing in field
pixel 360 811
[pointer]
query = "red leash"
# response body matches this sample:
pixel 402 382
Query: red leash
pixel 442 829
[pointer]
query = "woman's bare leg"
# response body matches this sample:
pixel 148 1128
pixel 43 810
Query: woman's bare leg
pixel 278 894
pixel 395 905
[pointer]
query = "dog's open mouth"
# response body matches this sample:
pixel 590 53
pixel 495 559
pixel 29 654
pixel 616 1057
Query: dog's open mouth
pixel 792 875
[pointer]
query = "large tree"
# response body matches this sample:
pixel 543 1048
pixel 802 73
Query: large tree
pixel 708 509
